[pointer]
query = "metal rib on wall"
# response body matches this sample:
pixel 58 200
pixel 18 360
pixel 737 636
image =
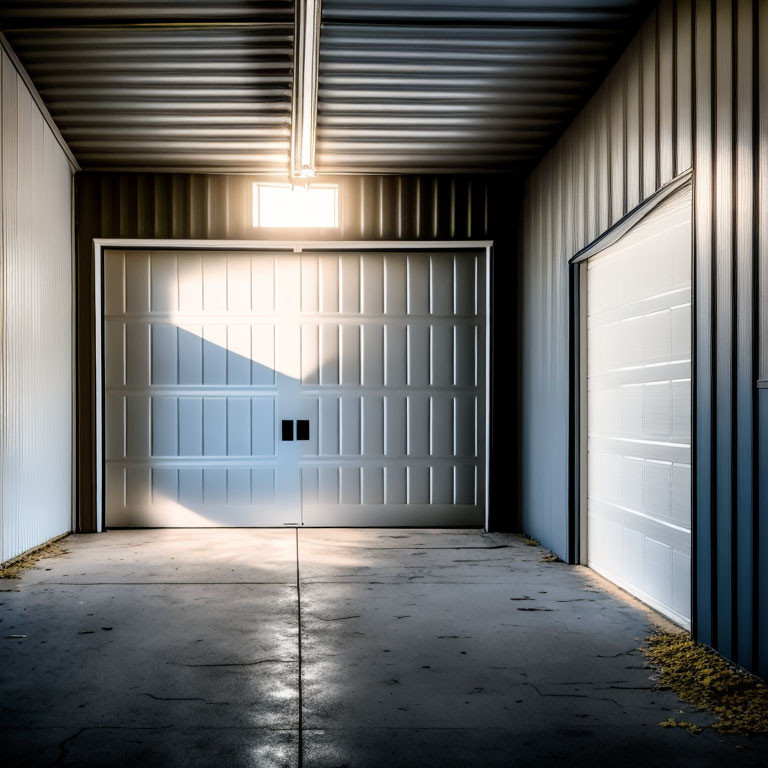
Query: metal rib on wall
pixel 761 426
pixel 434 86
pixel 151 206
pixel 206 97
pixel 683 94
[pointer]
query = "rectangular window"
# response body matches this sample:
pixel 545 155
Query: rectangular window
pixel 287 206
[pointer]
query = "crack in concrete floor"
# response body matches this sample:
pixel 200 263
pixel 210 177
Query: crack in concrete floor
pixel 291 645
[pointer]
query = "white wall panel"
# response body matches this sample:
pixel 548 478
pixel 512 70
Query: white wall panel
pixel 35 326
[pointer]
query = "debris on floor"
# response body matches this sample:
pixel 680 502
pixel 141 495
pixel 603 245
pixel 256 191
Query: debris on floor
pixel 670 722
pixel 201 666
pixel 13 568
pixel 548 556
pixel 706 680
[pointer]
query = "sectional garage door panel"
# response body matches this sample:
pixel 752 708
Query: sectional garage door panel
pixel 639 409
pixel 208 353
pixel 191 389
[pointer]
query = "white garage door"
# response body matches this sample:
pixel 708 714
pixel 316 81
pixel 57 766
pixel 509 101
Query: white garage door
pixel 639 409
pixel 260 389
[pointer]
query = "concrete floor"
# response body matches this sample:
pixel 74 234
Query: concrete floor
pixel 330 648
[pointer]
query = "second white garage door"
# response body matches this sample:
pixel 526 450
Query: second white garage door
pixel 639 409
pixel 259 389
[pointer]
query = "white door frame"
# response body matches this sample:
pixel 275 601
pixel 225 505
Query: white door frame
pixel 287 246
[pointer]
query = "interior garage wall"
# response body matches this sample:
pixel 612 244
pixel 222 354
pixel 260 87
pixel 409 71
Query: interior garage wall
pixel 690 90
pixel 145 205
pixel 35 324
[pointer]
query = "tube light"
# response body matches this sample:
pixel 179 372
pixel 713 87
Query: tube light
pixel 306 63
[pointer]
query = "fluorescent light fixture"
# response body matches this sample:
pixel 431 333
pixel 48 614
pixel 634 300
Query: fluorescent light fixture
pixel 288 206
pixel 305 82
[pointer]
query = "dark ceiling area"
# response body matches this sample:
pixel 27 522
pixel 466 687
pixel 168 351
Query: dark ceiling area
pixel 428 85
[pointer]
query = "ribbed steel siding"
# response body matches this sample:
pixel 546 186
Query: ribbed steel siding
pixel 761 537
pixel 638 132
pixel 197 97
pixel 35 326
pixel 544 371
pixel 219 207
pixel 762 203
pixel 434 86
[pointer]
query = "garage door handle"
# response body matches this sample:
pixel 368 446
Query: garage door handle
pixel 302 430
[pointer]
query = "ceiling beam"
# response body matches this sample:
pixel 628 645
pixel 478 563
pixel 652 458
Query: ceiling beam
pixel 305 68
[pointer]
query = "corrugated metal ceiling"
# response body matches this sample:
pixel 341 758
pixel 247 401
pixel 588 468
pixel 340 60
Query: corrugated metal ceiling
pixel 78 12
pixel 614 12
pixel 428 85
pixel 394 98
pixel 195 97
pixel 444 85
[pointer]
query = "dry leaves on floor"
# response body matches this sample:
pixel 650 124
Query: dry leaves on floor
pixel 13 568
pixel 705 679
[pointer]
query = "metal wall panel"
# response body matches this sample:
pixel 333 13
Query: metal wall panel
pixel 153 206
pixel 761 147
pixel 761 537
pixel 35 325
pixel 744 320
pixel 760 543
pixel 708 115
pixel 704 458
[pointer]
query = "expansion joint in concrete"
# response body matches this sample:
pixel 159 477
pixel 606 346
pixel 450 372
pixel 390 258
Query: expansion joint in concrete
pixel 300 748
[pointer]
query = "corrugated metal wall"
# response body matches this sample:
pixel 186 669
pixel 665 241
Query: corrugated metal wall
pixel 761 227
pixel 219 207
pixel 35 325
pixel 684 93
